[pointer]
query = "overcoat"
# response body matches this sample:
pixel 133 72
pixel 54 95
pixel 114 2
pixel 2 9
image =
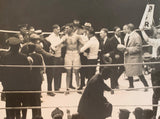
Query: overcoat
pixel 93 105
pixel 134 55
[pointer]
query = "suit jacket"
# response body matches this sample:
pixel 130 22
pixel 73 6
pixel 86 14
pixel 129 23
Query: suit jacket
pixel 35 73
pixel 92 102
pixel 134 55
pixel 113 44
pixel 105 48
pixel 15 78
pixel 2 53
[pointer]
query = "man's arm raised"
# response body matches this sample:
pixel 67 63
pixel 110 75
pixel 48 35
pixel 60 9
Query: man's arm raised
pixel 145 36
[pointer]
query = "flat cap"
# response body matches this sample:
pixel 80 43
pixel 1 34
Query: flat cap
pixel 13 41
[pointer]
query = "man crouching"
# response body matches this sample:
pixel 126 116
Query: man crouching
pixel 93 104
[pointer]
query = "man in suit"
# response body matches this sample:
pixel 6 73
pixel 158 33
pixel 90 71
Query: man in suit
pixel 103 42
pixel 93 104
pixel 107 53
pixel 36 80
pixel 133 54
pixel 118 57
pixel 15 78
pixel 48 58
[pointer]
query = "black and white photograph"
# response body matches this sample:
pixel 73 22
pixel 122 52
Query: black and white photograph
pixel 79 59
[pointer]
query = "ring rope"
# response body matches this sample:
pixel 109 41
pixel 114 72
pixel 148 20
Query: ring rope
pixel 45 107
pixel 153 87
pixel 101 65
pixel 98 32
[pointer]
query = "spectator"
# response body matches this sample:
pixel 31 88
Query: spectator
pixel 124 114
pixel 148 114
pixel 57 114
pixel 36 80
pixel 76 116
pixel 69 116
pixel 48 57
pixel 38 117
pixel 93 104
pixel 15 78
pixel 138 113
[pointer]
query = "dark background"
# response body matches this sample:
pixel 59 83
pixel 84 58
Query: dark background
pixel 101 13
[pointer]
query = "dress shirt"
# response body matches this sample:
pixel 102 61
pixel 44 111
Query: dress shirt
pixel 119 39
pixel 84 37
pixel 125 38
pixel 104 41
pixel 93 45
pixel 55 44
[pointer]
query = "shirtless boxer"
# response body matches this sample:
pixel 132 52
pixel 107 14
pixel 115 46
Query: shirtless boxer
pixel 72 42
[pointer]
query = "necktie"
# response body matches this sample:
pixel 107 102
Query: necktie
pixel 127 41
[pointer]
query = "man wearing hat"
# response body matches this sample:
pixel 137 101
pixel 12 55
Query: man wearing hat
pixel 15 78
pixel 48 57
pixel 147 114
pixel 138 112
pixel 124 114
pixel 36 79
